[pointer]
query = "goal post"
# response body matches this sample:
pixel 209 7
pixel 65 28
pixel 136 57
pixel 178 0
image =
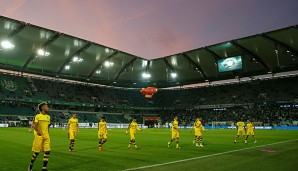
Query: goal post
pixel 222 124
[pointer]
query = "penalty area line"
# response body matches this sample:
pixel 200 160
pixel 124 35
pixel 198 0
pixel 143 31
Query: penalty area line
pixel 211 155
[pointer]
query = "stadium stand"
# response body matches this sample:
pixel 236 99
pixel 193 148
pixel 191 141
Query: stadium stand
pixel 258 100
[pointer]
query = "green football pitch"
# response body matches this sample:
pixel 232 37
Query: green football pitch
pixel 219 151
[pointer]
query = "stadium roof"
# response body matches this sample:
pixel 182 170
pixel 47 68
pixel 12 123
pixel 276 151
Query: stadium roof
pixel 32 49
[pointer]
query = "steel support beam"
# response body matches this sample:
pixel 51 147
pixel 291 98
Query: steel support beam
pixel 195 64
pixel 281 44
pixel 77 53
pixel 17 30
pixel 124 68
pixel 168 64
pixel 250 53
pixel 43 46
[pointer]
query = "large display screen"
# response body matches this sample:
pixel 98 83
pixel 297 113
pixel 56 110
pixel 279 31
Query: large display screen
pixel 229 64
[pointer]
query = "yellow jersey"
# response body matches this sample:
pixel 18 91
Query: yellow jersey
pixel 250 126
pixel 73 123
pixel 240 125
pixel 43 121
pixel 198 125
pixel 133 127
pixel 102 127
pixel 175 126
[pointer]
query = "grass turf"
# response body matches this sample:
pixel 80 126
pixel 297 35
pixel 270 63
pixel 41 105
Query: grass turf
pixel 15 148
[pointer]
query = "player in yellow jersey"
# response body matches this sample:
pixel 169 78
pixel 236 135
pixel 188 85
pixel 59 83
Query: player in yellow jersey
pixel 41 140
pixel 250 131
pixel 198 127
pixel 102 132
pixel 133 127
pixel 73 128
pixel 240 130
pixel 175 132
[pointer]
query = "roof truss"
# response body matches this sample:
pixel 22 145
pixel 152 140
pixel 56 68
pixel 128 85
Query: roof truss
pixel 44 46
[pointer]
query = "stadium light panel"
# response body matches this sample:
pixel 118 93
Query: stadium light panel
pixel 67 67
pixel 7 44
pixel 146 75
pixel 144 63
pixel 77 59
pixel 173 74
pixel 41 52
pixel 108 64
pixel 98 72
pixel 174 61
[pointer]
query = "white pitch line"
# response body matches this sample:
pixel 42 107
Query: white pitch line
pixel 179 161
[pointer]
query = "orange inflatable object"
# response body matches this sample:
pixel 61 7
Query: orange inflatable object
pixel 149 91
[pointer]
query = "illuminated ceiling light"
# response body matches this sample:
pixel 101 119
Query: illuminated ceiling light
pixel 98 72
pixel 67 67
pixel 41 52
pixel 173 74
pixel 288 51
pixel 77 59
pixel 107 50
pixel 44 34
pixel 134 83
pixel 108 63
pixel 144 63
pixel 9 25
pixel 97 57
pixel 174 60
pixel 7 44
pixel 67 52
pixel 114 82
pixel 77 43
pixel 206 80
pixel 198 59
pixel 146 75
pixel 269 72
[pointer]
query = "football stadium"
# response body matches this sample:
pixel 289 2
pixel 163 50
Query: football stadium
pixel 72 104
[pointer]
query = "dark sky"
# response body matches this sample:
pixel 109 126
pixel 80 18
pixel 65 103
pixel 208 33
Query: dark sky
pixel 155 28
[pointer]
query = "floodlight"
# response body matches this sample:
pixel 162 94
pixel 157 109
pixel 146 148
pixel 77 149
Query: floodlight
pixel 146 75
pixel 108 63
pixel 7 44
pixel 41 52
pixel 173 74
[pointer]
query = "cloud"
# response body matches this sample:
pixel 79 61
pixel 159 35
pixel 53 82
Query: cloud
pixel 13 7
